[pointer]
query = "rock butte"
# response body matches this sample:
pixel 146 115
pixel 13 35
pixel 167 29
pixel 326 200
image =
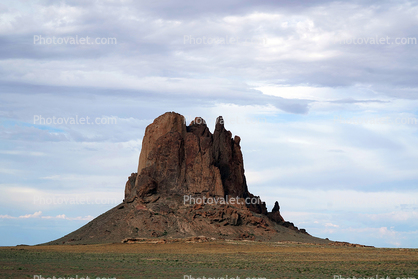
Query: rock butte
pixel 178 163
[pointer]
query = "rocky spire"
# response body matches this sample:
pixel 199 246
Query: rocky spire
pixel 176 161
pixel 180 159
pixel 275 215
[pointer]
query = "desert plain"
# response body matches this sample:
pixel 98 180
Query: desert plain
pixel 227 259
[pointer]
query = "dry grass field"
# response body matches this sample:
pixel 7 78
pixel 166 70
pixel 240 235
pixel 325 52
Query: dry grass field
pixel 219 259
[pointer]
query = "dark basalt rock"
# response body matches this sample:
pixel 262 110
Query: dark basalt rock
pixel 176 161
pixel 191 160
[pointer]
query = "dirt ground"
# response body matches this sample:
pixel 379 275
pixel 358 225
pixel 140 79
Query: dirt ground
pixel 218 259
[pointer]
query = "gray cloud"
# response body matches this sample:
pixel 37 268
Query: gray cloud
pixel 296 148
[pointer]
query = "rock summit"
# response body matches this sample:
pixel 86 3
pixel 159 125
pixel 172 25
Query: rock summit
pixel 189 183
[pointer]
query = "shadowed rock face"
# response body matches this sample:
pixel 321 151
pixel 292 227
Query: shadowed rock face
pixel 189 160
pixel 275 215
pixel 177 161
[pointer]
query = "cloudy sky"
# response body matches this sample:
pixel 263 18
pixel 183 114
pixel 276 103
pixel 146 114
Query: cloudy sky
pixel 322 93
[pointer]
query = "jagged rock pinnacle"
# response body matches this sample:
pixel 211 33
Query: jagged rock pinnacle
pixel 178 162
pixel 180 159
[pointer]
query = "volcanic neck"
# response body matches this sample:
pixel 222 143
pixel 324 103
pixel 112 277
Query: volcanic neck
pixel 176 159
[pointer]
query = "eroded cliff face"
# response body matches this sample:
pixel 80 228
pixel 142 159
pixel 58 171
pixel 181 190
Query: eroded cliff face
pixel 189 160
pixel 179 161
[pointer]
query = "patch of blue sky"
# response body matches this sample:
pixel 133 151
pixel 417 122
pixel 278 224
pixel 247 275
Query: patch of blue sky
pixel 10 123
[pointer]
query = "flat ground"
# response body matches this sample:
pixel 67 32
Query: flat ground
pixel 227 259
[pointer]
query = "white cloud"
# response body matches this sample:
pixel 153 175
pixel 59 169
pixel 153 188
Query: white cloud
pixel 331 225
pixel 34 215
pixel 38 214
pixel 394 216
